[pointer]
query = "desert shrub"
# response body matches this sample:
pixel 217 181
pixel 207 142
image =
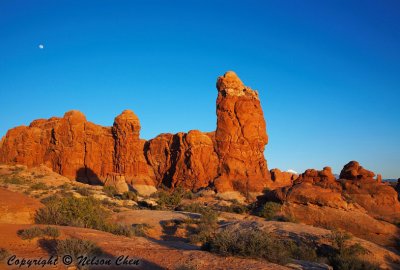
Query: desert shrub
pixel 79 212
pixel 140 229
pixel 129 195
pixel 235 207
pixel 13 180
pixel 110 191
pixel 206 225
pixel 83 191
pixel 248 243
pixel 168 200
pixel 65 186
pixel 39 186
pixel 255 243
pixel 287 218
pixel 83 212
pixel 30 233
pixel 77 247
pixel 51 232
pixel 108 203
pixel 269 210
pixel 3 254
pixel 35 232
pixel 345 256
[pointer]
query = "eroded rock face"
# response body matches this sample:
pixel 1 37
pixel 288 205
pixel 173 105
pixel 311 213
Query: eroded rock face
pixel 240 137
pixel 354 171
pixel 232 158
pixel 183 159
pixel 359 204
pixel 117 181
pixel 282 179
pixel 129 156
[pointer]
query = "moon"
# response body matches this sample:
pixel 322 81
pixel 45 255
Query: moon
pixel 41 46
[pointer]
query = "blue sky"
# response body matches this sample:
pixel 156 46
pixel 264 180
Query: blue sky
pixel 328 72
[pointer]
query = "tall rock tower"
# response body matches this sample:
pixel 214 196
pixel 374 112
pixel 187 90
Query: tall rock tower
pixel 240 137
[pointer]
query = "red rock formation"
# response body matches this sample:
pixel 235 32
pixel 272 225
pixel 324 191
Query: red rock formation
pixel 129 158
pixel 282 179
pixel 183 159
pixel 358 204
pixel 240 137
pixel 314 176
pixel 233 156
pixel 353 171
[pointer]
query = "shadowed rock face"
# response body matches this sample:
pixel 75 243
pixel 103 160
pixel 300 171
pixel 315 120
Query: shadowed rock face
pixel 232 158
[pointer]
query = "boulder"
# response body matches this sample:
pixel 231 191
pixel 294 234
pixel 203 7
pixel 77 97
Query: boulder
pixel 117 181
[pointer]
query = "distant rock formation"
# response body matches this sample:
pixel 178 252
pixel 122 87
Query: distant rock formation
pixel 282 179
pixel 354 171
pixel 229 159
pixel 357 202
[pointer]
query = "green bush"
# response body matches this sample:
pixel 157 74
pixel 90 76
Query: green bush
pixel 79 212
pixel 65 186
pixel 269 210
pixel 51 232
pixel 77 247
pixel 3 254
pixel 168 200
pixel 13 180
pixel 110 191
pixel 346 256
pixel 249 243
pixel 129 195
pixel 236 207
pixel 85 212
pixel 30 233
pixel 206 225
pixel 83 191
pixel 39 186
pixel 255 243
pixel 108 203
pixel 140 229
pixel 35 232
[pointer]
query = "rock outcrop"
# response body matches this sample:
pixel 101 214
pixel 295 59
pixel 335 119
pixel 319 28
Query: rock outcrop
pixel 229 159
pixel 282 179
pixel 354 171
pixel 357 202
pixel 240 137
